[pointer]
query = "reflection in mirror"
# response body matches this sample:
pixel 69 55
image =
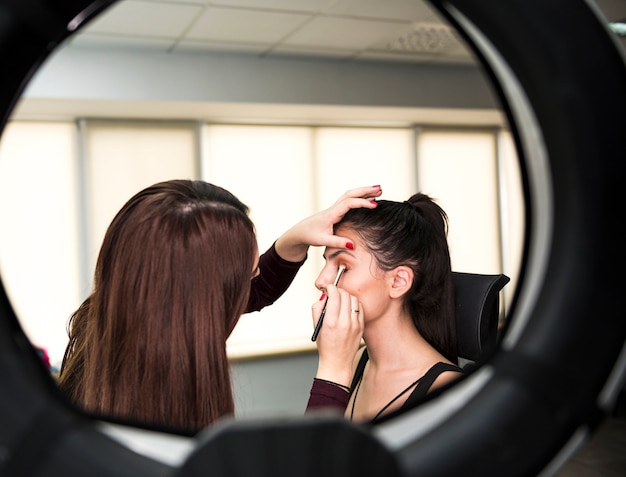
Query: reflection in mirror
pixel 287 106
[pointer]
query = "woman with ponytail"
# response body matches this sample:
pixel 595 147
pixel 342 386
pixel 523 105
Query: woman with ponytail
pixel 396 295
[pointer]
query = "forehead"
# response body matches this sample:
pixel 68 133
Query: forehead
pixel 358 251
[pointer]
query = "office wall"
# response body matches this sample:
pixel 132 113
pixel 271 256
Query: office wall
pixel 143 75
pixel 273 385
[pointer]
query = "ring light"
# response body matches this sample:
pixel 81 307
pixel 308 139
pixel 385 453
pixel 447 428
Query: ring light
pixel 562 84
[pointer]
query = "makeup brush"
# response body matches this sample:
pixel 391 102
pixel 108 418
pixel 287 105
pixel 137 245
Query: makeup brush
pixel 319 322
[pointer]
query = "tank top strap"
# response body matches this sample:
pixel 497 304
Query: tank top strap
pixel 427 381
pixel 358 372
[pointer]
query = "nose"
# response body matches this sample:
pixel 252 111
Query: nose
pixel 325 277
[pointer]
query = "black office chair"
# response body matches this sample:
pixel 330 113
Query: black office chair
pixel 477 300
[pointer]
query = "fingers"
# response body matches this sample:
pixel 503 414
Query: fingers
pixel 368 193
pixel 356 313
pixel 356 198
pixel 317 308
pixel 342 206
pixel 362 197
pixel 317 230
pixel 340 336
pixel 342 317
pixel 359 197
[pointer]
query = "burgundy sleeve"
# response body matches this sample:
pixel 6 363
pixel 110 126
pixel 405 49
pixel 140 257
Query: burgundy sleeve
pixel 327 396
pixel 275 276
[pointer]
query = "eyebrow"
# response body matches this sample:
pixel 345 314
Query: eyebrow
pixel 337 253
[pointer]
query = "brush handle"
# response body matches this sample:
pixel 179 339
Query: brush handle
pixel 318 326
pixel 319 323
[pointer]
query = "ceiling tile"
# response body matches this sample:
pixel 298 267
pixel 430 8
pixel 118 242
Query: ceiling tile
pixel 361 29
pixel 244 25
pixel 342 33
pixel 404 57
pixel 384 10
pixel 195 2
pixel 220 47
pixel 141 18
pixel 428 38
pixel 308 6
pixel 319 52
pixel 99 41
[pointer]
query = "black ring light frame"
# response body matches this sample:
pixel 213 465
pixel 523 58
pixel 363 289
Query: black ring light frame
pixel 561 77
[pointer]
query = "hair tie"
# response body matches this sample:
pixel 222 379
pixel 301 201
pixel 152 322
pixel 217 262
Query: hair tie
pixel 412 205
pixel 419 211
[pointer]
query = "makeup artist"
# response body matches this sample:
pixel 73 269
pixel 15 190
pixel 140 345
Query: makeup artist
pixel 178 266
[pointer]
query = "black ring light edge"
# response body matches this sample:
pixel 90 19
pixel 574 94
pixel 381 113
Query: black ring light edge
pixel 19 351
pixel 31 30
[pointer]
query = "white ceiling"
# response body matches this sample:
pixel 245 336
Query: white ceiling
pixel 394 30
pixel 398 30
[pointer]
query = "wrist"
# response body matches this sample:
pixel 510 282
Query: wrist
pixel 332 383
pixel 290 250
pixel 341 378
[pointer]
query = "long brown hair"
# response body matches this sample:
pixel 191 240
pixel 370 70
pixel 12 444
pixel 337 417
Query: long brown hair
pixel 414 233
pixel 171 281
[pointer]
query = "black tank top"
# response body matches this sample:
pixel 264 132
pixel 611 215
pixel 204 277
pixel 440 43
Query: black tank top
pixel 423 384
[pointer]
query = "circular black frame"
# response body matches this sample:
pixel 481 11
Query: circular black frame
pixel 562 83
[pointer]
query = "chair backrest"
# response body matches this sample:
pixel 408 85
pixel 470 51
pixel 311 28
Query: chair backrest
pixel 477 312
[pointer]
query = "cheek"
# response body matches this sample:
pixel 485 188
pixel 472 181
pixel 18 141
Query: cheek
pixel 373 304
pixel 369 291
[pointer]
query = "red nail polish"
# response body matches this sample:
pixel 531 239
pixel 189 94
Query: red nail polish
pixel 323 296
pixel 350 245
pixel 377 186
pixel 373 202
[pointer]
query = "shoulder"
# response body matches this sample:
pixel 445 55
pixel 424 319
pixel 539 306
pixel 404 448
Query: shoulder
pixel 444 373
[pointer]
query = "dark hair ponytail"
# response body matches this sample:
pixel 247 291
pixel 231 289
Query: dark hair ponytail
pixel 431 299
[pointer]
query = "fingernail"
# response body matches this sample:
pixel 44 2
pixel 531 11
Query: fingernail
pixel 323 296
pixel 350 245
pixel 377 186
pixel 373 202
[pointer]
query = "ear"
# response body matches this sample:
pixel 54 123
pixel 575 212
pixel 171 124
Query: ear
pixel 402 281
